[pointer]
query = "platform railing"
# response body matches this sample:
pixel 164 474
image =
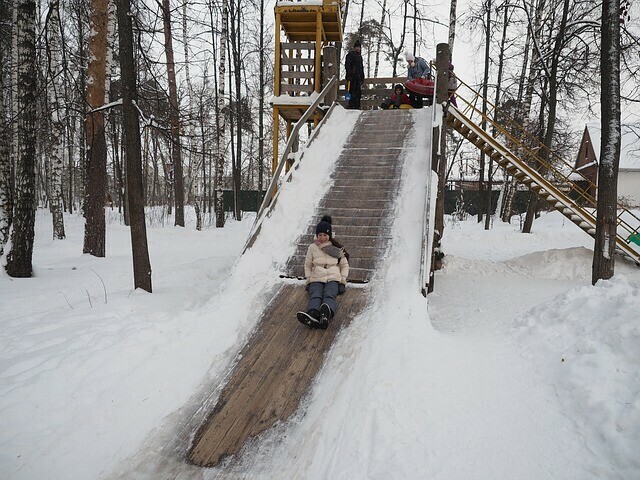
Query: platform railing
pixel 277 179
pixel 527 153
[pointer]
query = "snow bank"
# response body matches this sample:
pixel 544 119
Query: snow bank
pixel 585 343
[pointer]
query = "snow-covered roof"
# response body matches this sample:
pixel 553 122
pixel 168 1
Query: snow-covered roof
pixel 591 164
pixel 289 100
pixel 287 3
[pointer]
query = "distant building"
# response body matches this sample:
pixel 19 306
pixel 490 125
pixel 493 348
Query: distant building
pixel 586 165
pixel 586 178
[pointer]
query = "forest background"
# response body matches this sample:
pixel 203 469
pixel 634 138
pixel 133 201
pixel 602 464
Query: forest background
pixel 80 78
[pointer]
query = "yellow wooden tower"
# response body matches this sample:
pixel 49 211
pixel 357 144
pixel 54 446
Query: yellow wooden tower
pixel 307 26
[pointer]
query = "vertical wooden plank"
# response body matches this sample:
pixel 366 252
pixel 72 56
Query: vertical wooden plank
pixel 276 86
pixel 276 132
pixel 318 58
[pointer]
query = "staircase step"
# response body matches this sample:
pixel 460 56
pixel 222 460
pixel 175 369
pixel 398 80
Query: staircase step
pixel 558 194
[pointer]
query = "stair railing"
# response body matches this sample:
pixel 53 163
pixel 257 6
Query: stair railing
pixel 271 194
pixel 557 171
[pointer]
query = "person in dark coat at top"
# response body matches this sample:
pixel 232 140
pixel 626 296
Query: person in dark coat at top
pixel 354 69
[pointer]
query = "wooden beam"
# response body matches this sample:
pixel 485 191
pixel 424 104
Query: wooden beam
pixel 297 61
pixel 318 59
pixel 276 86
pixel 289 87
pixel 298 45
pixel 303 74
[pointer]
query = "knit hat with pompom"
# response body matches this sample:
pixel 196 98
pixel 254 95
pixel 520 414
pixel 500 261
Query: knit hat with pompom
pixel 324 226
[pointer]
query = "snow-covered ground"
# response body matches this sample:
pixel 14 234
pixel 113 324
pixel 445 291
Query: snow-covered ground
pixel 515 368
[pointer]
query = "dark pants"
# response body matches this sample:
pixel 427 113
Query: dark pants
pixel 416 100
pixel 355 89
pixel 320 293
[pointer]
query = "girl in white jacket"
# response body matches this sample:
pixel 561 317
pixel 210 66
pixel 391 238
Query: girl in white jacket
pixel 326 268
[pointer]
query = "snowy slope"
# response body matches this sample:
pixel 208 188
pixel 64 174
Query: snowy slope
pixel 516 367
pixel 101 366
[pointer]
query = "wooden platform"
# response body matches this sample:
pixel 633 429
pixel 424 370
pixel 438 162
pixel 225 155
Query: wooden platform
pixel 278 365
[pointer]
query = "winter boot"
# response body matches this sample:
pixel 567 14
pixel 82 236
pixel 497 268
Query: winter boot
pixel 325 315
pixel 310 318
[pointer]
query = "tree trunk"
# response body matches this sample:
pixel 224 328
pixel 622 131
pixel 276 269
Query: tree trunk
pixel 19 259
pixel 131 127
pixel 6 170
pixel 261 108
pixel 379 40
pixel 56 145
pixel 221 117
pixel 361 19
pixel 505 23
pixel 482 207
pixel 237 76
pixel 174 114
pixel 452 24
pixel 96 182
pixel 346 13
pixel 520 116
pixel 551 119
pixel 605 242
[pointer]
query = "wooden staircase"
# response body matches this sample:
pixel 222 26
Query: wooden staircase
pixel 360 201
pixel 555 180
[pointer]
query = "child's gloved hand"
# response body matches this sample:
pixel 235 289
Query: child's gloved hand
pixel 342 288
pixel 306 289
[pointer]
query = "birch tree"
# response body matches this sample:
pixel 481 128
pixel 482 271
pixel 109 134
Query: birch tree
pixel 605 242
pixel 261 103
pixel 6 174
pixel 19 259
pixel 55 89
pixel 452 24
pixel 220 113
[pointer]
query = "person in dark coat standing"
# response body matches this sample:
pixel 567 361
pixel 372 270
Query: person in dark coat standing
pixel 355 75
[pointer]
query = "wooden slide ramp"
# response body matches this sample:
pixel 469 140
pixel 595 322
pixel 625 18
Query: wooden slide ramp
pixel 279 363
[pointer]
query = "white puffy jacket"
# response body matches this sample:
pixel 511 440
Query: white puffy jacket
pixel 322 267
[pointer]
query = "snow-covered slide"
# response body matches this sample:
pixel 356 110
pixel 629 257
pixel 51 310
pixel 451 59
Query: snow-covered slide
pixel 279 363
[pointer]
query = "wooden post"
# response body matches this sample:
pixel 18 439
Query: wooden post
pixel 438 151
pixel 318 59
pixel 330 69
pixel 443 58
pixel 277 79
